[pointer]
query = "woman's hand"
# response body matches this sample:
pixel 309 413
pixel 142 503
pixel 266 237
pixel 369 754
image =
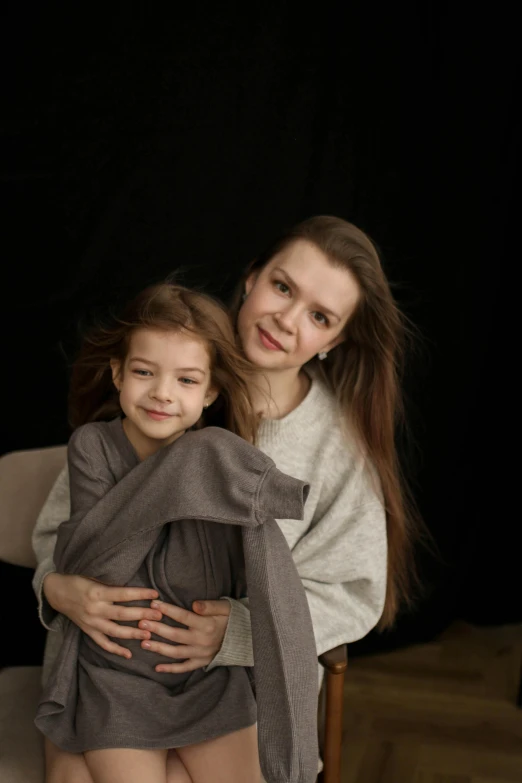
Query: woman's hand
pixel 92 607
pixel 197 644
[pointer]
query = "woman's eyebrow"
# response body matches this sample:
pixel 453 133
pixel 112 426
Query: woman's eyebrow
pixel 292 282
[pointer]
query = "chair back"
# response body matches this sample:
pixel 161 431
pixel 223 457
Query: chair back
pixel 26 478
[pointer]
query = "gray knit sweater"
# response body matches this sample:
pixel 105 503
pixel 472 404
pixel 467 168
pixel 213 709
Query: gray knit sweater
pixel 195 519
pixel 339 548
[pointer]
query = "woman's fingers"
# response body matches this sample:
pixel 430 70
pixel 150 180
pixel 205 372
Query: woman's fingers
pixel 108 628
pixel 221 607
pixel 107 594
pixel 183 616
pixel 180 635
pixel 106 644
pixel 177 651
pixel 129 613
pixel 189 665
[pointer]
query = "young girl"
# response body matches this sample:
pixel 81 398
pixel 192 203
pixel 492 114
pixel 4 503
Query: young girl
pixel 316 317
pixel 169 358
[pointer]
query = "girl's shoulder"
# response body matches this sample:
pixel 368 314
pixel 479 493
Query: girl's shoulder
pixel 102 442
pixel 93 434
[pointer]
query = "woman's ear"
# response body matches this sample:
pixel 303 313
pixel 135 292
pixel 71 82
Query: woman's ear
pixel 335 342
pixel 116 373
pixel 250 282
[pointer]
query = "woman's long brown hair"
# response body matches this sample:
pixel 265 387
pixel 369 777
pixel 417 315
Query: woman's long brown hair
pixel 364 373
pixel 165 307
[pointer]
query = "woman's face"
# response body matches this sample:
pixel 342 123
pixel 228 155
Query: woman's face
pixel 296 307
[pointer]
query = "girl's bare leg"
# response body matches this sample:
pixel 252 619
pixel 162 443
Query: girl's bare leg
pixel 176 772
pixel 63 767
pixel 125 765
pixel 233 758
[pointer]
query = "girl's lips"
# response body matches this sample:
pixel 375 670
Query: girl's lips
pixel 268 341
pixel 157 416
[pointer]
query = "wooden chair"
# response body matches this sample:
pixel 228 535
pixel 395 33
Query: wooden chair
pixel 26 478
pixel 335 663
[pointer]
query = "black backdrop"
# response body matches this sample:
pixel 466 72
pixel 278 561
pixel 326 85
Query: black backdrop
pixel 137 143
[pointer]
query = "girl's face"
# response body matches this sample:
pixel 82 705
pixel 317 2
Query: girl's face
pixel 296 307
pixel 164 384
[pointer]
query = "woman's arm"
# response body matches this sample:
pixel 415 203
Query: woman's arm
pixel 90 605
pixel 218 633
pixel 56 508
pixel 342 562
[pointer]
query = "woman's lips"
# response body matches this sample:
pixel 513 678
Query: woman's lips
pixel 268 341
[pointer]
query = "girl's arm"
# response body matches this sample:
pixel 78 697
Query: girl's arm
pixel 342 565
pixel 342 562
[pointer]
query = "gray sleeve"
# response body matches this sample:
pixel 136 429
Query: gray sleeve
pixel 285 667
pixel 55 510
pixel 236 649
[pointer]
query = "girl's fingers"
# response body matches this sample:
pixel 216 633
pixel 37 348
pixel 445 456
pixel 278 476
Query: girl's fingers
pixel 186 666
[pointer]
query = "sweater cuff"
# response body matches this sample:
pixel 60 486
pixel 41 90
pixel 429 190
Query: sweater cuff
pixel 236 649
pixel 49 617
pixel 281 496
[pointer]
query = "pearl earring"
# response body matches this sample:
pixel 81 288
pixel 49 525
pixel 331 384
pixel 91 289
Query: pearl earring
pixel 322 356
pixel 244 297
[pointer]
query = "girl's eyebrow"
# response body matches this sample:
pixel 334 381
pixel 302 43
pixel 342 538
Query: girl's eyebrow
pixel 140 359
pixel 179 369
pixel 292 282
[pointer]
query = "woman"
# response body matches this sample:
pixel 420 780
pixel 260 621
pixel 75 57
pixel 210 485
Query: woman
pixel 316 317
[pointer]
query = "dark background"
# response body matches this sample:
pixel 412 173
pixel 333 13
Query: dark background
pixel 138 143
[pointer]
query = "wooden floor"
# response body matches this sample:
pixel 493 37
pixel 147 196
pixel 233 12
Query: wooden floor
pixel 444 712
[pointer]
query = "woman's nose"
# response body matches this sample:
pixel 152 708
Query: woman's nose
pixel 287 319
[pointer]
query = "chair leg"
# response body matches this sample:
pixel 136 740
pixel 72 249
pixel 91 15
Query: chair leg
pixel 333 728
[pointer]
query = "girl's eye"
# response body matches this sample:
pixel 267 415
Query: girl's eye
pixel 188 381
pixel 281 286
pixel 142 373
pixel 320 318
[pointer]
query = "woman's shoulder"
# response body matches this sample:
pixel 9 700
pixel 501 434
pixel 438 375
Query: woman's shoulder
pixel 338 449
pixel 327 422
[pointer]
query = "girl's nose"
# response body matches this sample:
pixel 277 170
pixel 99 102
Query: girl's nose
pixel 162 392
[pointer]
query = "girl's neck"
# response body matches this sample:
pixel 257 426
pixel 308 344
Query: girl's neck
pixel 143 445
pixel 276 394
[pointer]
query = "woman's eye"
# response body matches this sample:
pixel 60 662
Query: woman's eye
pixel 281 286
pixel 142 373
pixel 320 319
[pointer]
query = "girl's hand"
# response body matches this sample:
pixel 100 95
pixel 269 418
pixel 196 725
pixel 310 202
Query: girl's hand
pixel 197 644
pixel 92 607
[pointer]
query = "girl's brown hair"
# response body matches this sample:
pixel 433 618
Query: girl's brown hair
pixel 166 307
pixel 364 373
